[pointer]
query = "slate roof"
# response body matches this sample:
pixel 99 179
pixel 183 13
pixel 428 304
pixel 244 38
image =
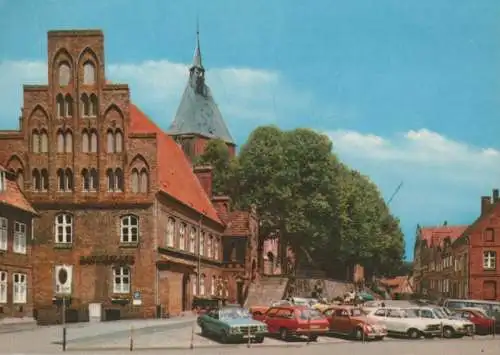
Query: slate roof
pixel 197 112
pixel 13 196
pixel 175 173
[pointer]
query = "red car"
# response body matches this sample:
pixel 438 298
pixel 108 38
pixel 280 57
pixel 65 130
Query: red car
pixel 291 321
pixel 483 324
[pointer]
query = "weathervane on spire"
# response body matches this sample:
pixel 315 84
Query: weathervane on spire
pixel 197 51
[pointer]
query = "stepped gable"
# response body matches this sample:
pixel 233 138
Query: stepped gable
pixel 13 196
pixel 175 173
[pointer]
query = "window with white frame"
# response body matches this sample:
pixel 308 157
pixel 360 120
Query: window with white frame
pixel 182 236
pixel 64 228
pixel 170 231
pixel 121 279
pixel 489 260
pixel 2 180
pixel 4 228
pixel 129 229
pixel 202 243
pixel 209 246
pixel 19 238
pixel 192 240
pixel 216 248
pixel 3 286
pixel 19 288
pixel 202 285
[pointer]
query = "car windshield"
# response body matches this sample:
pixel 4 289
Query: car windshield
pixel 306 314
pixel 234 313
pixel 440 313
pixel 356 312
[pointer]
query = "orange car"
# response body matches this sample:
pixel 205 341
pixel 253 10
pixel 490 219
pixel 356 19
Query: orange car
pixel 351 321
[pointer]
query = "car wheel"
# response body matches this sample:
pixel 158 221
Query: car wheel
pixel 448 332
pixel 224 338
pixel 358 334
pixel 313 337
pixel 204 331
pixel 284 334
pixel 413 333
pixel 259 340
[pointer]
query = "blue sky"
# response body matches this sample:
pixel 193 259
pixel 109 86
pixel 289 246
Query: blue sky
pixel 407 90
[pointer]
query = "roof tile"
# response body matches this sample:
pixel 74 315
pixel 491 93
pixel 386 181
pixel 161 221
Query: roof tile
pixel 434 236
pixel 175 173
pixel 13 196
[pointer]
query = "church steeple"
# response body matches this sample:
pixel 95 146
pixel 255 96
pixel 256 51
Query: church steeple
pixel 197 63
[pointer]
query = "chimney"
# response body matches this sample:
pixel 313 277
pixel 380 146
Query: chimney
pixel 222 205
pixel 495 195
pixel 204 175
pixel 485 204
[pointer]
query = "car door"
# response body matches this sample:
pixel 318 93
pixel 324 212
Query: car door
pixel 286 319
pixel 271 320
pixel 212 321
pixel 380 316
pixel 343 321
pixel 395 321
pixel 330 315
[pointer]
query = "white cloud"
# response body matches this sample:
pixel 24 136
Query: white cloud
pixel 244 95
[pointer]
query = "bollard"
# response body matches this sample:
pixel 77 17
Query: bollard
pixel 191 346
pixel 494 327
pixel 309 329
pixel 131 338
pixel 442 331
pixel 249 342
pixel 363 335
pixel 64 339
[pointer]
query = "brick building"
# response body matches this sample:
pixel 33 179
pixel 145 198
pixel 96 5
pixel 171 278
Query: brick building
pixel 127 224
pixel 16 238
pixel 461 261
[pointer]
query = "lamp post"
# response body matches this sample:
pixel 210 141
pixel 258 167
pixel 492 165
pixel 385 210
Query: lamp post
pixel 198 266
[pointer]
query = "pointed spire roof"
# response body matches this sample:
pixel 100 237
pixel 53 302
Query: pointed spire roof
pixel 197 112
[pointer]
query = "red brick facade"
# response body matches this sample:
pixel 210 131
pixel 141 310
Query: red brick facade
pixel 16 251
pixel 462 261
pixel 121 211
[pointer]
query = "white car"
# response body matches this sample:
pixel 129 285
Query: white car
pixel 451 327
pixel 406 322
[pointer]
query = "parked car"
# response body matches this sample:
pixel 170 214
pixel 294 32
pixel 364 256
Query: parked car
pixel 405 322
pixel 451 327
pixel 290 321
pixel 232 324
pixel 351 321
pixel 483 323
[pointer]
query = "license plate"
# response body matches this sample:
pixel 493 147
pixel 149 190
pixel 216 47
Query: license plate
pixel 248 336
pixel 315 326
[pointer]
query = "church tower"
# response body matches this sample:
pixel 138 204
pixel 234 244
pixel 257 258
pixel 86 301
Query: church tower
pixel 198 118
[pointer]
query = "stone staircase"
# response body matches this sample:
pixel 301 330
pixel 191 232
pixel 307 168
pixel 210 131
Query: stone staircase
pixel 332 289
pixel 266 290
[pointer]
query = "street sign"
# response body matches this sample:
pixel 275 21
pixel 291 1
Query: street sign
pixel 137 295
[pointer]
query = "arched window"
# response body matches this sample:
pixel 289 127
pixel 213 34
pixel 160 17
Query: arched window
pixel 202 243
pixel 202 285
pixel 44 177
pixel 94 106
pixel 85 141
pixel 143 181
pixel 192 240
pixel 110 176
pixel 93 141
pixel 86 180
pixel 35 141
pixel 64 74
pixel 88 73
pixel 61 180
pixel 209 246
pixel 60 141
pixel 64 228
pixel 44 141
pixel 135 180
pixel 60 106
pixel 170 232
pixel 94 179
pixel 20 178
pixel 212 285
pixel 69 179
pixel 129 229
pixel 85 104
pixel 111 141
pixel 182 236
pixel 68 142
pixel 68 101
pixel 118 180
pixel 118 141
pixel 36 180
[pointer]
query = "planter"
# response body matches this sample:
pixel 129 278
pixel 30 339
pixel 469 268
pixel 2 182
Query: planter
pixel 120 301
pixel 60 300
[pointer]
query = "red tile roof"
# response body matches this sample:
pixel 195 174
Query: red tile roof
pixel 13 196
pixel 434 236
pixel 238 224
pixel 175 173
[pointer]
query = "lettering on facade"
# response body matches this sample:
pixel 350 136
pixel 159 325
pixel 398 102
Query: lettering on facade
pixel 107 260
